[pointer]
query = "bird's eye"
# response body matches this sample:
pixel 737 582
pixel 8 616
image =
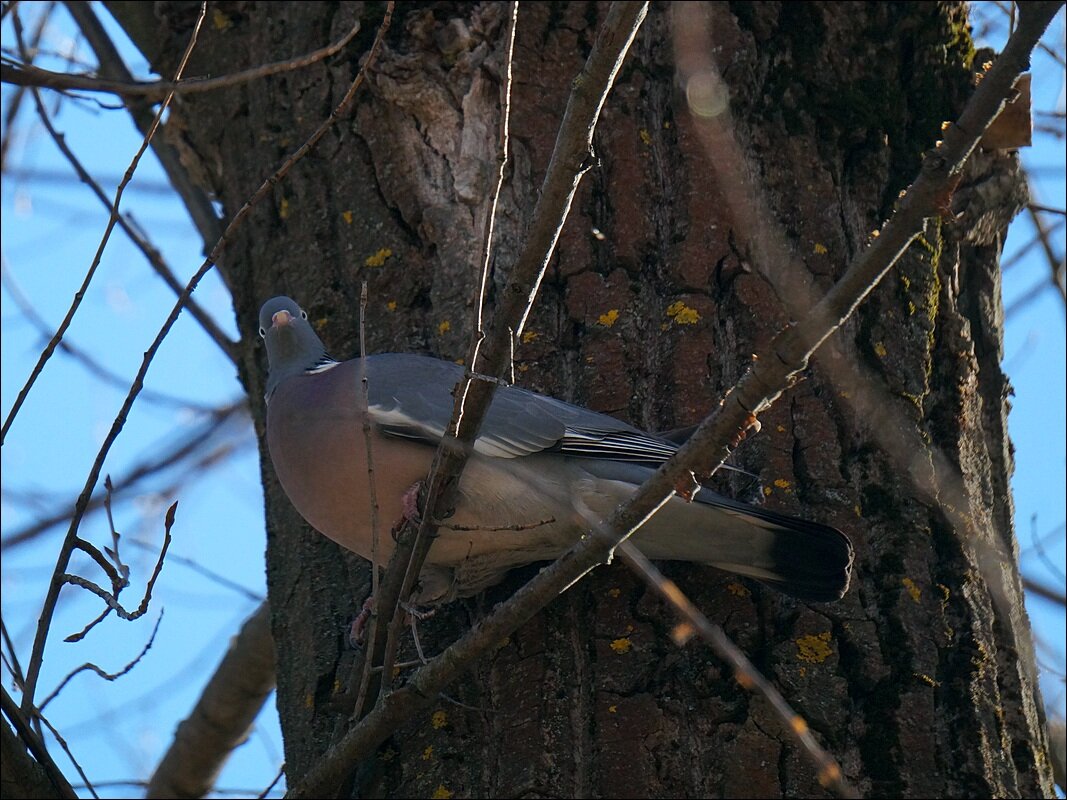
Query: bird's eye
pixel 303 314
pixel 263 333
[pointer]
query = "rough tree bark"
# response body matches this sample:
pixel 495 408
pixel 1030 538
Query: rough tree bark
pixel 921 680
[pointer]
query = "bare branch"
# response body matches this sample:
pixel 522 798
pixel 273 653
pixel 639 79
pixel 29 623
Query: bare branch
pixel 1059 597
pixel 370 658
pixel 384 653
pixel 90 363
pixel 54 342
pixel 44 622
pixel 14 102
pixel 187 448
pixel 222 716
pixel 155 258
pixel 26 74
pixel 571 159
pixel 32 742
pixel 1039 548
pixel 769 375
pixel 1055 262
pixel 112 66
pixel 107 676
pixel 828 771
pixel 112 599
pixel 12 654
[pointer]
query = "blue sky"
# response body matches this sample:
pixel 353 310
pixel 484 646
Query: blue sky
pixel 51 226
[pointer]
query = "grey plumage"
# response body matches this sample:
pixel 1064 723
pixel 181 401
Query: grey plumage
pixel 542 471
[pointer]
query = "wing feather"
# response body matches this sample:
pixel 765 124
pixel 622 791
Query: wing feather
pixel 411 397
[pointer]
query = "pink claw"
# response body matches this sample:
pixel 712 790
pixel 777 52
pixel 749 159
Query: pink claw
pixel 358 632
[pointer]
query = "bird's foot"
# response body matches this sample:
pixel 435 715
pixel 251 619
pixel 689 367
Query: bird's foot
pixel 409 508
pixel 357 633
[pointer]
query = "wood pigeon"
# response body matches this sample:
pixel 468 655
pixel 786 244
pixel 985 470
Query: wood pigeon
pixel 542 472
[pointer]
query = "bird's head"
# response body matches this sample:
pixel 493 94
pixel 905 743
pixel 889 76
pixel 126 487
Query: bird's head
pixel 293 347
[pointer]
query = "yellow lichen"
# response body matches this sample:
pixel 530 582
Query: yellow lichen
pixel 608 319
pixel 782 483
pixel 737 589
pixel 615 592
pixel 427 754
pixel 879 350
pixel 814 648
pixel 391 305
pixel 283 208
pixel 347 217
pixel 220 20
pixel 378 258
pixel 683 314
pixel 444 327
pixel 439 720
pixel 912 588
pixel 646 137
pixel 621 646
pixel 820 249
pixel 613 709
pixel 529 336
pixel 768 491
pixel 441 793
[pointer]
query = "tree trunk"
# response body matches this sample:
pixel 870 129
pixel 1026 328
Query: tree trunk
pixel 679 260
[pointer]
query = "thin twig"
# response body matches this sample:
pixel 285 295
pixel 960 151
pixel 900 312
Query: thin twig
pixel 126 178
pixel 70 755
pixel 571 159
pixel 224 712
pixel 107 676
pixel 1047 209
pixel 272 784
pixel 44 622
pixel 151 253
pixel 1042 555
pixel 93 366
pixel 1055 262
pixel 364 398
pixel 113 66
pixel 211 575
pixel 385 652
pixel 9 646
pixel 112 599
pixel 14 102
pixel 1055 595
pixel 26 74
pixel 745 673
pixel 185 449
pixel 34 744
